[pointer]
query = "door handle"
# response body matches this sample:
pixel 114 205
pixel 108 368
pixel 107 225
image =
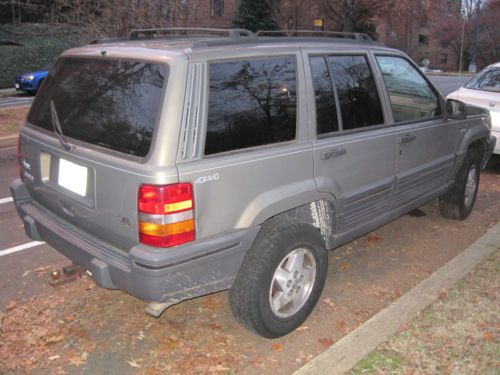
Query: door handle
pixel 407 138
pixel 333 153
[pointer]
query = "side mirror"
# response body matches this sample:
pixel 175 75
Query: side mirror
pixel 455 109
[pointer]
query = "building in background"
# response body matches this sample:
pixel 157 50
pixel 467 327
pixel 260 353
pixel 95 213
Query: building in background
pixel 414 27
pixel 406 25
pixel 203 13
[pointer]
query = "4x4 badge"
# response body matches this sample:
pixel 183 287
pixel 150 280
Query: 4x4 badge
pixel 203 179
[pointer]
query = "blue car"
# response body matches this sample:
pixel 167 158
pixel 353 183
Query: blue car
pixel 30 82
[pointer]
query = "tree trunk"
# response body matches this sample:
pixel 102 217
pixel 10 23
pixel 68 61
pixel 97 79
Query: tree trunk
pixel 13 5
pixel 19 9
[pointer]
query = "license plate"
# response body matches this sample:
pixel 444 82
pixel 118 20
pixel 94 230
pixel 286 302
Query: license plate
pixel 17 85
pixel 73 177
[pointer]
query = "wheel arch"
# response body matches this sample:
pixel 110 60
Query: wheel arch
pixel 319 214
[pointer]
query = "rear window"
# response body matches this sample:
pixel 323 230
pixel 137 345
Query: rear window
pixel 109 103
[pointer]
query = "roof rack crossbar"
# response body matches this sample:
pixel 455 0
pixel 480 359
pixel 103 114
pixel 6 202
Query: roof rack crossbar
pixel 328 34
pixel 109 40
pixel 188 31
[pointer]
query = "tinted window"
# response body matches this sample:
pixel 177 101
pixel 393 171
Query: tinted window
pixel 251 103
pixel 488 80
pixel 110 103
pixel 357 92
pixel 326 108
pixel 411 96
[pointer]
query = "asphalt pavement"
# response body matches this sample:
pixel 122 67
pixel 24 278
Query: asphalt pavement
pixel 15 101
pixel 447 84
pixel 13 265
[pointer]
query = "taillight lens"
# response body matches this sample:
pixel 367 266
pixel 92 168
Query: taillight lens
pixel 20 168
pixel 166 214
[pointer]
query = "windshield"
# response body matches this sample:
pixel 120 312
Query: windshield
pixel 110 103
pixel 487 80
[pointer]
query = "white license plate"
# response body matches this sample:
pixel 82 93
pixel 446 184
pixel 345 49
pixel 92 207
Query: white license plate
pixel 73 177
pixel 17 85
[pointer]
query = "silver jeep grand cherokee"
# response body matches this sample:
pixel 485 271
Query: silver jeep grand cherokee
pixel 175 163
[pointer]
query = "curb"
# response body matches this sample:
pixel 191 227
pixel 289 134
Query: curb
pixel 8 141
pixel 349 350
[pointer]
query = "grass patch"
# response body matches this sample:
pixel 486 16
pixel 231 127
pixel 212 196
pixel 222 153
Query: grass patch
pixel 379 361
pixel 458 334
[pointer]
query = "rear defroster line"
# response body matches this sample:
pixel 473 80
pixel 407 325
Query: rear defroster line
pixel 17 248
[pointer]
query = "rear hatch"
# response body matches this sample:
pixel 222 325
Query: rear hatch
pixel 88 176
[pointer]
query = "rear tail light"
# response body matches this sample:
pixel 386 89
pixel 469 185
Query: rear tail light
pixel 20 168
pixel 166 214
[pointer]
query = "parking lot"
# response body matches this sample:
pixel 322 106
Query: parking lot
pixel 81 327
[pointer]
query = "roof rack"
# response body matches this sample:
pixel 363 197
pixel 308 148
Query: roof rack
pixel 188 31
pixel 179 33
pixel 327 34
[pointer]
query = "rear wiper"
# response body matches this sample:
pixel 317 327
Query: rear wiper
pixel 57 126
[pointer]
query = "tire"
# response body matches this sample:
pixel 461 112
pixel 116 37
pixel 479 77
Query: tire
pixel 459 201
pixel 272 271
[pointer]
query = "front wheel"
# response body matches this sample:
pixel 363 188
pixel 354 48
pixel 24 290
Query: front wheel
pixel 280 280
pixel 459 201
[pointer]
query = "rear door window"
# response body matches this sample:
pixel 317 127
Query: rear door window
pixel 251 103
pixel 412 98
pixel 357 92
pixel 109 103
pixel 345 93
pixel 326 107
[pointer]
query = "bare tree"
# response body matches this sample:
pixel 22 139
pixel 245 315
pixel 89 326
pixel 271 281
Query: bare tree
pixel 106 18
pixel 352 15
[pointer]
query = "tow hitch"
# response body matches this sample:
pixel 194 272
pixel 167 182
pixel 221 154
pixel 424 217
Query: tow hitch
pixel 65 275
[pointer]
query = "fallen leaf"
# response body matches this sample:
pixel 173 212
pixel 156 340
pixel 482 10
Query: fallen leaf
pixel 134 363
pixel 403 327
pixel 488 336
pixel 442 294
pixel 302 328
pixel 344 266
pixel 278 347
pixel 77 361
pixel 340 325
pixel 10 306
pixel 140 336
pixel 372 239
pixel 218 368
pixel 54 357
pixel 70 318
pixel 326 342
pixel 42 269
pixel 329 302
pixel 54 339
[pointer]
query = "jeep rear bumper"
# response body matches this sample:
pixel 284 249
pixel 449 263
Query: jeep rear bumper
pixel 151 274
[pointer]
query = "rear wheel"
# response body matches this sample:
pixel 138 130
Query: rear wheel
pixel 280 280
pixel 459 201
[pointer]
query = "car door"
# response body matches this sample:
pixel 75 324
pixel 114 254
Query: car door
pixel 426 141
pixel 354 150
